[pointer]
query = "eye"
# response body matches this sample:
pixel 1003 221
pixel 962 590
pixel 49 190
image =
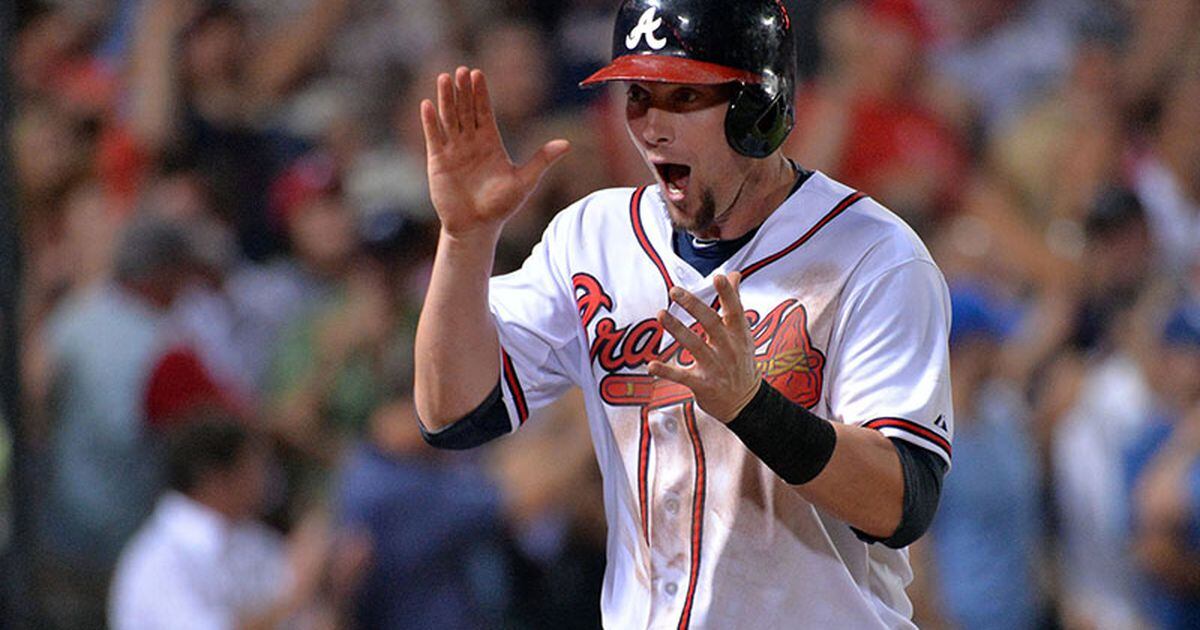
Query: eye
pixel 637 102
pixel 686 96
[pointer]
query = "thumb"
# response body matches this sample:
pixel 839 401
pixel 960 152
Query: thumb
pixel 551 152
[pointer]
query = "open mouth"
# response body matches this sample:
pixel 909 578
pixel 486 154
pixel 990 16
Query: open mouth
pixel 674 178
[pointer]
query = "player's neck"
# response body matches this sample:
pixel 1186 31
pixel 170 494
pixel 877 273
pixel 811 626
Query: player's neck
pixel 765 188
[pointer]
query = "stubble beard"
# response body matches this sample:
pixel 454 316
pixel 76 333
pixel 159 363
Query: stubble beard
pixel 704 219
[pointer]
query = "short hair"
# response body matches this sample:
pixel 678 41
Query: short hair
pixel 204 446
pixel 1113 211
pixel 151 245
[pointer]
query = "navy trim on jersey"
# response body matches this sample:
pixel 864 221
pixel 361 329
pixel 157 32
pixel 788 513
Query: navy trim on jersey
pixel 705 256
pixel 914 429
pixel 485 423
pixel 514 388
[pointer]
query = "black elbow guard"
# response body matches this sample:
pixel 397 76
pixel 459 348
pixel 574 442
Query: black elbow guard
pixel 923 475
pixel 485 423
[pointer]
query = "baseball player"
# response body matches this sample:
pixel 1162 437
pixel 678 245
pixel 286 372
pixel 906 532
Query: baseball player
pixel 762 350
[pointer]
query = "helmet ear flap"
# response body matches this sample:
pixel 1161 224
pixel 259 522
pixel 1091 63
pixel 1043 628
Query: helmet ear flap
pixel 757 124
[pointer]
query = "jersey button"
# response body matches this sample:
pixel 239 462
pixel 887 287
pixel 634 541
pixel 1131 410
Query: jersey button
pixel 672 506
pixel 670 588
pixel 671 425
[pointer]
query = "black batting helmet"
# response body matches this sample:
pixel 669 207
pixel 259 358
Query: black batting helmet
pixel 748 42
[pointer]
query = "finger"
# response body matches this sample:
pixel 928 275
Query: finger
pixel 687 338
pixel 446 112
pixel 464 101
pixel 701 311
pixel 484 119
pixel 550 153
pixel 435 138
pixel 731 302
pixel 674 373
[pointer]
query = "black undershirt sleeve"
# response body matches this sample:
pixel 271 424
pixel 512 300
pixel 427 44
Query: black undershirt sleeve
pixel 485 423
pixel 797 444
pixel 924 472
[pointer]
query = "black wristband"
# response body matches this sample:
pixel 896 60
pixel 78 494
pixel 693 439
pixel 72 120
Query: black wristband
pixel 789 439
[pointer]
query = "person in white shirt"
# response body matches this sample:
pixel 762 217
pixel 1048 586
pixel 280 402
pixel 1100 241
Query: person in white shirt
pixel 203 560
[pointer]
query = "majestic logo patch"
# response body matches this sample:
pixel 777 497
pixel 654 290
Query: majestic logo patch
pixel 783 351
pixel 645 27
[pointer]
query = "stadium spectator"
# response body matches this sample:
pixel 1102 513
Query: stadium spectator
pixel 291 128
pixel 1072 133
pixel 1163 476
pixel 308 204
pixel 206 107
pixel 119 375
pixel 987 533
pixel 1119 255
pixel 331 371
pixel 205 313
pixel 868 122
pixel 1113 400
pixel 203 560
pixel 1005 54
pixel 518 51
pixel 1165 176
pixel 436 529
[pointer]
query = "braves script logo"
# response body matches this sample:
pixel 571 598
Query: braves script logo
pixel 783 351
pixel 645 27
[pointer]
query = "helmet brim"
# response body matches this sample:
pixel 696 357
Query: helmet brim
pixel 668 69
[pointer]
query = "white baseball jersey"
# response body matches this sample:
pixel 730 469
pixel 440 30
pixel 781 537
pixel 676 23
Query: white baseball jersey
pixel 850 318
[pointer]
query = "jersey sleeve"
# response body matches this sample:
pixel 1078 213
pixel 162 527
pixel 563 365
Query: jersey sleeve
pixel 538 325
pixel 892 371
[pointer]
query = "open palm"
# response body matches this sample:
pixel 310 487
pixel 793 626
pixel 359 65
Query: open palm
pixel 472 181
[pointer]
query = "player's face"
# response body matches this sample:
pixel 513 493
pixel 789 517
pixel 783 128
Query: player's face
pixel 679 129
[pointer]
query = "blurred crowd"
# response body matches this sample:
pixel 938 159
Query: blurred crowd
pixel 226 235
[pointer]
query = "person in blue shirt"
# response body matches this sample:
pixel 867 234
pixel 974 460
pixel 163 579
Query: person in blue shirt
pixel 1163 474
pixel 985 536
pixel 435 526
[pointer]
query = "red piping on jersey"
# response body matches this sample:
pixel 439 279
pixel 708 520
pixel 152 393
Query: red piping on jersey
pixel 787 19
pixel 848 201
pixel 514 387
pixel 643 473
pixel 689 415
pixel 909 426
pixel 639 231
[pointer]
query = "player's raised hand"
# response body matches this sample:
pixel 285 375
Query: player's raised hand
pixel 473 183
pixel 724 377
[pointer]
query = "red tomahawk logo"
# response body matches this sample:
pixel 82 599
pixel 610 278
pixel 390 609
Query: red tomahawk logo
pixel 642 390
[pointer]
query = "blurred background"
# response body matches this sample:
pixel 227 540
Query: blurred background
pixel 217 236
